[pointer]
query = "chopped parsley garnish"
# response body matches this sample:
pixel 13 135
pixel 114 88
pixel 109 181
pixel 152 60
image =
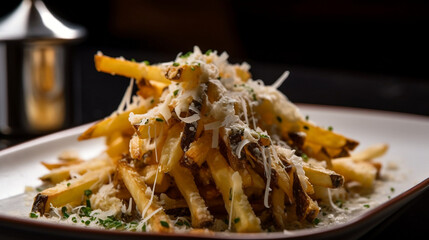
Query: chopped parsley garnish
pixel 366 205
pixel 208 52
pixel 330 128
pixel 176 64
pixel 279 119
pixel 39 189
pixel 85 212
pixel 192 68
pixel 88 203
pixel 68 184
pixel 263 135
pixel 307 117
pixel 74 219
pixel 304 157
pixel 159 119
pixel 152 101
pixel 34 215
pixel 146 62
pixel 305 127
pixel 254 97
pixel 339 203
pixel 133 60
pixel 144 227
pixel 164 224
pixel 316 221
pixel 236 220
pixel 64 211
pixel 392 189
pixel 175 92
pixel 87 222
pixel 147 121
pixel 186 55
pixel 87 192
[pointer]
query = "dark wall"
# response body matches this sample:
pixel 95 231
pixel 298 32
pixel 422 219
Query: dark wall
pixel 388 37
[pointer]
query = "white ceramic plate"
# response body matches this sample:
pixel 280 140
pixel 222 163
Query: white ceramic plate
pixel 407 136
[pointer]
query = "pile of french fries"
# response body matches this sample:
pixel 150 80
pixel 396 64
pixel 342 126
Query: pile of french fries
pixel 208 143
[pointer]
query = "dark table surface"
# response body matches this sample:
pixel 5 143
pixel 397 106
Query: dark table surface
pixel 97 95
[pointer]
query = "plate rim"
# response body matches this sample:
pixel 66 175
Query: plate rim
pixel 334 230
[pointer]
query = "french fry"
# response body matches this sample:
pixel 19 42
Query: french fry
pixel 52 166
pixel 306 208
pixel 135 184
pixel 241 213
pixel 200 215
pixel 63 173
pixel 120 66
pixel 118 146
pixel 321 176
pixel 109 125
pixel 163 181
pixel 171 152
pixel 71 192
pixel 199 149
pixel 359 171
pixel 374 151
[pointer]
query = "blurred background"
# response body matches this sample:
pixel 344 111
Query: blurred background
pixel 364 54
pixel 367 54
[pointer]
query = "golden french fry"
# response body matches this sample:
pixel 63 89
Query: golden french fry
pixel 71 192
pixel 147 205
pixel 241 213
pixel 321 176
pixel 200 215
pixel 120 66
pixel 63 173
pixel 109 125
pixel 118 146
pixel 199 149
pixel 278 200
pixel 371 152
pixel 359 171
pixel 172 152
pixel 163 181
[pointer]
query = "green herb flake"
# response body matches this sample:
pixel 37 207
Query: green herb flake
pixel 68 184
pixel 64 211
pixel 307 117
pixel 339 203
pixel 133 60
pixel 87 222
pixel 187 223
pixel 186 55
pixel 147 121
pixel 176 64
pixel 279 119
pixel 152 101
pixel 144 228
pixel 39 189
pixel 316 221
pixel 254 97
pixel 366 205
pixel 34 215
pixel 88 203
pixel 236 220
pixel 330 128
pixel 74 219
pixel 192 68
pixel 179 223
pixel 175 92
pixel 208 52
pixel 305 127
pixel 392 189
pixel 146 62
pixel 164 224
pixel 159 119
pixel 304 157
pixel 87 192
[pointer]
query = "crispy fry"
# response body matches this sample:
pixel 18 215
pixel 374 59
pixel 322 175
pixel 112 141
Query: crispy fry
pixel 278 198
pixel 71 192
pixel 163 181
pixel 200 215
pixel 321 176
pixel 241 212
pixel 147 205
pixel 120 66
pixel 199 149
pixel 63 173
pixel 171 151
pixel 109 125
